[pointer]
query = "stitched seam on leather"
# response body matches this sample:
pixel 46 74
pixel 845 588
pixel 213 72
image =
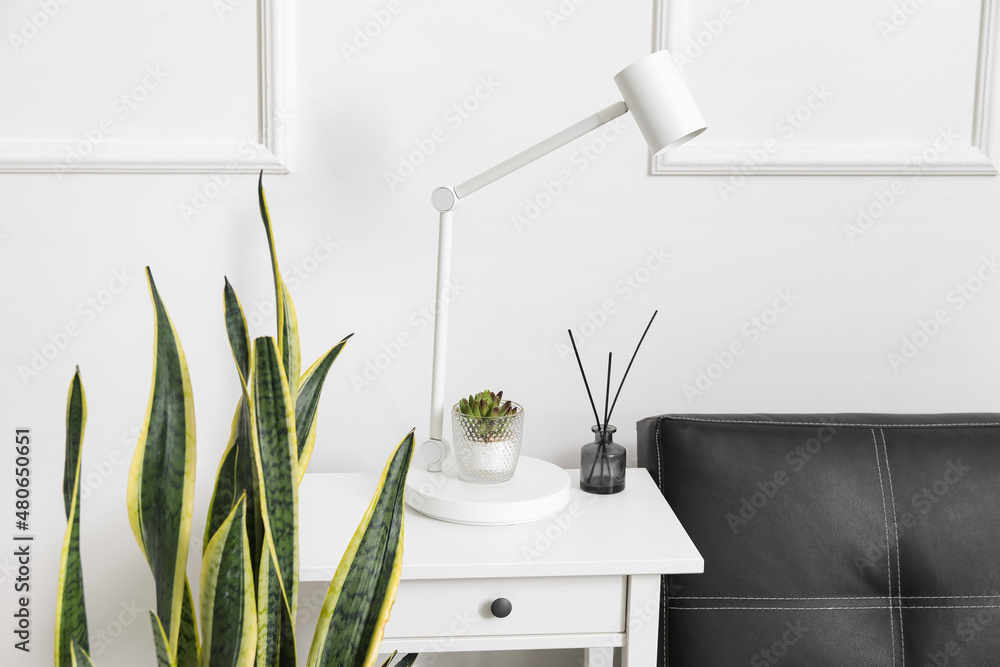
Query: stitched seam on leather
pixel 664 603
pixel 784 609
pixel 659 466
pixel 914 607
pixel 885 513
pixel 955 606
pixel 845 597
pixel 895 527
pixel 836 424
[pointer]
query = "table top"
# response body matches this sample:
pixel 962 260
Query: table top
pixel 632 532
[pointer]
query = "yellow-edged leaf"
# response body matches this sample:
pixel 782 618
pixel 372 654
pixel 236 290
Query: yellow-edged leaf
pixel 357 605
pixel 307 403
pixel 80 658
pixel 71 612
pixel 164 654
pixel 162 475
pixel 228 606
pixel 288 325
pixel 274 447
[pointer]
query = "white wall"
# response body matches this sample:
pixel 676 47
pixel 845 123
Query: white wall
pixel 64 239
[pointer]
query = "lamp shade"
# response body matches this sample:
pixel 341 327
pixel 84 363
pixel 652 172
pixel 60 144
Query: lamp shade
pixel 660 102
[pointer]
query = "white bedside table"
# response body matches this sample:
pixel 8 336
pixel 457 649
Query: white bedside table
pixel 587 577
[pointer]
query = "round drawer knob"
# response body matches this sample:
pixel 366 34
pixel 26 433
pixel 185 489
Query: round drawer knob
pixel 501 607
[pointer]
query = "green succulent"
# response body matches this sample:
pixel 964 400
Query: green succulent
pixel 487 405
pixel 488 408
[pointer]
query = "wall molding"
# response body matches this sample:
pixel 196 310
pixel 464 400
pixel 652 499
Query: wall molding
pixel 832 159
pixel 269 152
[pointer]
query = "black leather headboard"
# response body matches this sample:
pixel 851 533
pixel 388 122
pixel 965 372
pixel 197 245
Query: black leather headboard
pixel 832 540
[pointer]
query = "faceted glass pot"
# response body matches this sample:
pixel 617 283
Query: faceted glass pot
pixel 487 448
pixel 602 463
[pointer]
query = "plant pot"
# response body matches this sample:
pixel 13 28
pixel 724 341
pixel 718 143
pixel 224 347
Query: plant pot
pixel 487 448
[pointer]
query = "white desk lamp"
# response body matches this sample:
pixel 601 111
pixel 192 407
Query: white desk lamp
pixel 653 90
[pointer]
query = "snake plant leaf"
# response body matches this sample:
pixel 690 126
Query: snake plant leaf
pixel 236 329
pixel 71 612
pixel 351 624
pixel 246 465
pixel 288 324
pixel 161 479
pixel 187 641
pixel 247 470
pixel 275 447
pixel 227 490
pixel 269 601
pixel 227 482
pixel 288 655
pixel 291 353
pixel 76 421
pixel 237 475
pixel 80 657
pixel 228 607
pixel 164 656
pixel 307 402
pixel 275 630
pixel 405 662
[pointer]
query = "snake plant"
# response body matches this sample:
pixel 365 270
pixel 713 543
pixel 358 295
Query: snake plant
pixel 248 593
pixel 71 617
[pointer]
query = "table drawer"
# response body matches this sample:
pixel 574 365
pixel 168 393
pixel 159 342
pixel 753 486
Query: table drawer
pixel 539 605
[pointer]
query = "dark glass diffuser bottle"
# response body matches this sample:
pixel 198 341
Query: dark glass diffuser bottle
pixel 602 463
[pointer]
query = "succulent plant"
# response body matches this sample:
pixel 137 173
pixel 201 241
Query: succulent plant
pixel 487 405
pixel 487 408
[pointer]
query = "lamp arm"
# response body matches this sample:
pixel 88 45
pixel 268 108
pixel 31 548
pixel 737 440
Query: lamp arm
pixel 435 450
pixel 545 147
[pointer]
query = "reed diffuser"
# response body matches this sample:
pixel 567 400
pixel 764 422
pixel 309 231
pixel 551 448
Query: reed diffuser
pixel 602 462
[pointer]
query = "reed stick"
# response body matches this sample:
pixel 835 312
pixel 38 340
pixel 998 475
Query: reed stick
pixel 584 374
pixel 615 402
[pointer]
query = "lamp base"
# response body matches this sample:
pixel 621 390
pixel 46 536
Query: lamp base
pixel 537 490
